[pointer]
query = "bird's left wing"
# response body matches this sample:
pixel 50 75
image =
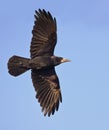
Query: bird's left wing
pixel 44 34
pixel 46 84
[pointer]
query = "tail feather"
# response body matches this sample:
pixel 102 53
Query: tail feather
pixel 17 65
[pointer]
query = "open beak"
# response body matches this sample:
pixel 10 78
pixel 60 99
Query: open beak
pixel 65 60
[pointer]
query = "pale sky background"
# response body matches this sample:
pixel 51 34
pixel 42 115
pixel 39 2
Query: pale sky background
pixel 83 37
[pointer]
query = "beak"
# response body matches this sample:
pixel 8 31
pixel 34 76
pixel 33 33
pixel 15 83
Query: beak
pixel 65 60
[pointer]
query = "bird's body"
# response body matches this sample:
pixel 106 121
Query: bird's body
pixel 42 62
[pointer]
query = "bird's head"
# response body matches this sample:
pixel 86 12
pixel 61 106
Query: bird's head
pixel 59 60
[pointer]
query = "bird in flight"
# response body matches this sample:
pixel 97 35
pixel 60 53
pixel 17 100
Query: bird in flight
pixel 42 62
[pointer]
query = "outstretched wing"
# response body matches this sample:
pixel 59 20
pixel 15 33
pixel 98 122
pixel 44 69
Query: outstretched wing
pixel 46 84
pixel 44 34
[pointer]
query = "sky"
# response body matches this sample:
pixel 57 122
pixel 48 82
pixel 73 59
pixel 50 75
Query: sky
pixel 83 37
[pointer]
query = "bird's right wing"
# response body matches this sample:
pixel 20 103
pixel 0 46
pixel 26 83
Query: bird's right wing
pixel 44 34
pixel 46 84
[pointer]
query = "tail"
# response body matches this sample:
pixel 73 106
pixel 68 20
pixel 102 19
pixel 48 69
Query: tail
pixel 17 65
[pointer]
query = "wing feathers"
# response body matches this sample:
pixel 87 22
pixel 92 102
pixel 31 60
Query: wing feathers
pixel 44 34
pixel 43 42
pixel 46 84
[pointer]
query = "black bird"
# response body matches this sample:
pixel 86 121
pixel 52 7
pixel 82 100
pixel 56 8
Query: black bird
pixel 42 62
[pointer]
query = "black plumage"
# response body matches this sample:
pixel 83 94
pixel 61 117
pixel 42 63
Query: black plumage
pixel 42 62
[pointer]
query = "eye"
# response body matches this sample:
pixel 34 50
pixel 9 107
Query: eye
pixel 58 59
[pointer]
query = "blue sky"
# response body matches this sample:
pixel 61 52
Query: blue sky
pixel 83 37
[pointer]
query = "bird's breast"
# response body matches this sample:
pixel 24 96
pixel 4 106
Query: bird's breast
pixel 40 62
